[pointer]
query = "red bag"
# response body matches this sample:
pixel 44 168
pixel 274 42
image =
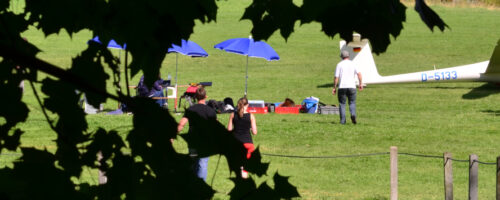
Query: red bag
pixel 191 89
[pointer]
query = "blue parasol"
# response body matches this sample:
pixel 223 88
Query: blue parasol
pixel 111 43
pixel 249 48
pixel 188 48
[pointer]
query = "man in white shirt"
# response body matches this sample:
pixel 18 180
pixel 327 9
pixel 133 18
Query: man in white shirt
pixel 345 74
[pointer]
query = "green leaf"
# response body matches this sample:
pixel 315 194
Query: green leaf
pixel 151 124
pixel 104 142
pixel 124 176
pixel 267 16
pixel 16 111
pixel 12 142
pixel 429 17
pixel 63 100
pixel 88 67
pixel 255 164
pixel 53 15
pixel 283 188
pixel 4 5
pixel 71 125
pixel 375 20
pixel 113 63
pixel 265 192
pixel 11 27
pixel 243 188
pixel 38 174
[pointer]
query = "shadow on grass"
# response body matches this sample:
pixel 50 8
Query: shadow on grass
pixel 482 91
pixel 405 85
pixel 326 85
pixel 105 110
pixel 449 87
pixel 492 112
pixel 123 127
pixel 408 85
pixel 320 122
pixel 376 198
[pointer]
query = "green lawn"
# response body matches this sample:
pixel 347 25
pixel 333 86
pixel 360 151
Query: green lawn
pixel 461 118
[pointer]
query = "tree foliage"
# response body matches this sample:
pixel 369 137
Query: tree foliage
pixel 153 169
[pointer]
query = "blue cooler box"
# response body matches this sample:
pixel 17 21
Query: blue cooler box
pixel 311 104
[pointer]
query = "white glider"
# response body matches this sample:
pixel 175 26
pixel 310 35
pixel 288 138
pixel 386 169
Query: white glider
pixel 361 55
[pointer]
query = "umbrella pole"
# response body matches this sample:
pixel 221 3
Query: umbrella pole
pixel 119 77
pixel 126 73
pixel 246 79
pixel 119 73
pixel 176 55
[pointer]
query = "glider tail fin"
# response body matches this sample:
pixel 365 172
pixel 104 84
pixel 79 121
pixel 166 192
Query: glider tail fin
pixel 494 65
pixel 361 54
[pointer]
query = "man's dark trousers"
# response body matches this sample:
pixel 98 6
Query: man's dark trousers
pixel 343 95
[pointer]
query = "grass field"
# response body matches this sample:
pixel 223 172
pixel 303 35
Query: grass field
pixel 461 118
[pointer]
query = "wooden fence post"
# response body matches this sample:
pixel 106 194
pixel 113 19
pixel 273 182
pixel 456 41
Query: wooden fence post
pixel 473 167
pixel 448 176
pixel 394 173
pixel 102 176
pixel 498 178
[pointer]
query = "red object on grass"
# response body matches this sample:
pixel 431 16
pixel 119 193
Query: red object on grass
pixel 288 110
pixel 257 110
pixel 191 89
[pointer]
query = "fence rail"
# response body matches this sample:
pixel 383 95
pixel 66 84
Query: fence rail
pixel 448 169
pixel 372 154
pixel 338 156
pixel 326 157
pixel 447 161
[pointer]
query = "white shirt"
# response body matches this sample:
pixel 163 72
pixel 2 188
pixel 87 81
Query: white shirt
pixel 346 71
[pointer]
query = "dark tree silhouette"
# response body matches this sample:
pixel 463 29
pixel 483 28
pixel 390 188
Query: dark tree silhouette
pixel 153 169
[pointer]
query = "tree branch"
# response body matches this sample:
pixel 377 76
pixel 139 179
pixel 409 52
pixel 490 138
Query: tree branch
pixel 34 63
pixel 49 121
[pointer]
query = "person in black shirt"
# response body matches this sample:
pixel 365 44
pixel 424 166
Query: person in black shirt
pixel 240 123
pixel 198 115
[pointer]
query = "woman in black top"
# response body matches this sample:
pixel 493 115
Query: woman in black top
pixel 241 122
